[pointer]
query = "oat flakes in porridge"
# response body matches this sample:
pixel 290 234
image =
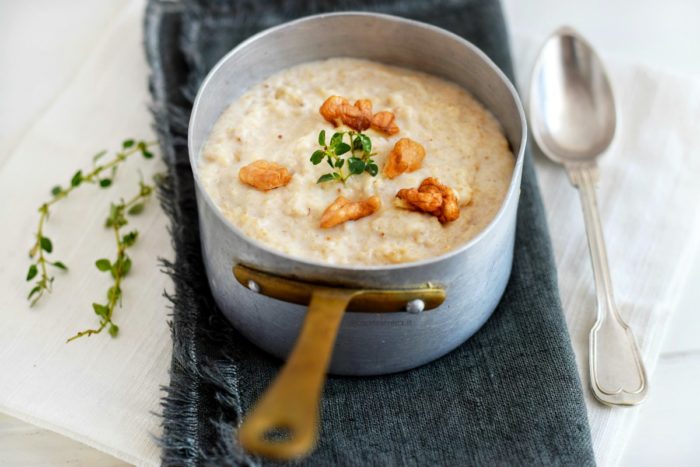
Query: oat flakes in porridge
pixel 453 144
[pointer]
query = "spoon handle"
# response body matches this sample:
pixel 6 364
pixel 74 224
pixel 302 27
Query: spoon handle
pixel 616 369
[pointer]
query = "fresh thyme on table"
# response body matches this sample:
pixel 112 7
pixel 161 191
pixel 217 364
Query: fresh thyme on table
pixel 121 266
pixel 101 175
pixel 359 150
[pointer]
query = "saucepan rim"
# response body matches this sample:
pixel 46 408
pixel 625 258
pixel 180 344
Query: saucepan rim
pixel 513 188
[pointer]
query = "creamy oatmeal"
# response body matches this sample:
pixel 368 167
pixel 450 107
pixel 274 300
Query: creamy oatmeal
pixel 278 121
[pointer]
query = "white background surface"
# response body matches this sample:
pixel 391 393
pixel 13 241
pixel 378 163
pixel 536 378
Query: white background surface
pixel 45 43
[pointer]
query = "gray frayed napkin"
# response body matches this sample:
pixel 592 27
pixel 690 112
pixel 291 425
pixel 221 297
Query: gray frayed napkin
pixel 510 395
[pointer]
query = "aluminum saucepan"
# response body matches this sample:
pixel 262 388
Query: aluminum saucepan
pixel 387 318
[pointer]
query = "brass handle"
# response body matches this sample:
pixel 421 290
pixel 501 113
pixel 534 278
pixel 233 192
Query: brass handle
pixel 291 403
pixel 366 300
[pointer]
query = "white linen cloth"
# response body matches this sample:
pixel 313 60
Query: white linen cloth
pixel 98 390
pixel 648 196
pixel 104 391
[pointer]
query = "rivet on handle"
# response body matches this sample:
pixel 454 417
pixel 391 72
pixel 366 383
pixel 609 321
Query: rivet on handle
pixel 253 286
pixel 415 306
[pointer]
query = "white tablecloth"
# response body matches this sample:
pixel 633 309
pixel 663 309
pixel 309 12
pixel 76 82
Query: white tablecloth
pixel 103 391
pixel 98 390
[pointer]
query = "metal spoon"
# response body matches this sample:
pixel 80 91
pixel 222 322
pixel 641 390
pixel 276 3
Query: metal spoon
pixel 572 116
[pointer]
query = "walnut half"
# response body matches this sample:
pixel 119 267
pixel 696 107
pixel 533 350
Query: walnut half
pixel 331 109
pixel 343 210
pixel 407 156
pixel 431 197
pixel 337 110
pixel 384 122
pixel 358 116
pixel 264 175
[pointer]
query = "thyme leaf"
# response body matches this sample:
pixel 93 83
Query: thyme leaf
pixel 357 152
pixel 43 246
pixel 120 267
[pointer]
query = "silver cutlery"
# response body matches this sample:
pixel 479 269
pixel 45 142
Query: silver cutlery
pixel 573 119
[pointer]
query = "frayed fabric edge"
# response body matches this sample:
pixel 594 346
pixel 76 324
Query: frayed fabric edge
pixel 180 441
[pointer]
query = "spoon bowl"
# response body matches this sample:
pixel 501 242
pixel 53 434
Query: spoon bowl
pixel 572 108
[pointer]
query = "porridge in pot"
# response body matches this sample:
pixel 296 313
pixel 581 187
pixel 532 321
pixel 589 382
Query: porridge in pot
pixel 349 161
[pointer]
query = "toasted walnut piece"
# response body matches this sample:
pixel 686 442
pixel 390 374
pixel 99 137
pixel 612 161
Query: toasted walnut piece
pixel 417 201
pixel 358 116
pixel 431 197
pixel 385 122
pixel 337 110
pixel 449 210
pixel 406 156
pixel 331 109
pixel 264 175
pixel 342 210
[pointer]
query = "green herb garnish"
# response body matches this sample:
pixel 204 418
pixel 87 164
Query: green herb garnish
pixel 120 267
pixel 345 158
pixel 101 175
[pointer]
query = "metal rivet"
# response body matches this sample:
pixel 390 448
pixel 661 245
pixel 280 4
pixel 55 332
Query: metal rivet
pixel 415 306
pixel 254 286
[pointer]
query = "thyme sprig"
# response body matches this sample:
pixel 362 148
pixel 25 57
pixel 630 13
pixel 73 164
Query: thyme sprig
pixel 358 148
pixel 120 267
pixel 101 175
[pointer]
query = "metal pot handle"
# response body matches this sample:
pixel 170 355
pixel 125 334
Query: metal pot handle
pixel 290 406
pixel 291 403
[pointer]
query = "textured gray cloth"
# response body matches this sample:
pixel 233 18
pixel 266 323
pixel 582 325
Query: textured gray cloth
pixel 510 395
